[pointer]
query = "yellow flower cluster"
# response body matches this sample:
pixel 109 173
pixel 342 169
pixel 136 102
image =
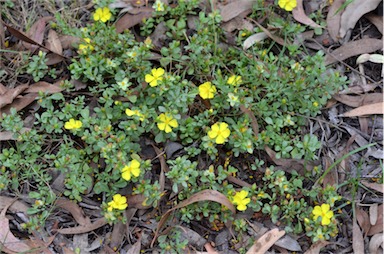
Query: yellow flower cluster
pixel 155 76
pixel 73 124
pixel 135 112
pixel 119 202
pixel 166 122
pixel 287 5
pixel 219 132
pixel 86 47
pixel 241 200
pixel 235 80
pixel 324 212
pixel 207 90
pixel 133 168
pixel 102 14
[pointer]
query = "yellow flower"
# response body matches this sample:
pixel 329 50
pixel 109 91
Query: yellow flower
pixel 219 132
pixel 235 80
pixel 207 90
pixel 73 124
pixel 324 212
pixel 133 168
pixel 240 199
pixel 287 5
pixel 167 122
pixel 315 104
pixel 156 76
pixel 102 14
pixel 85 48
pixel 119 202
pixel 158 6
pixel 135 112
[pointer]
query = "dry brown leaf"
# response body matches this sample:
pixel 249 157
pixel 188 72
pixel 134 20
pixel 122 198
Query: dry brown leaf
pixel 129 20
pixel 53 58
pixel 378 227
pixel 300 16
pixel 360 88
pixel 376 20
pixel 137 201
pixel 75 210
pixel 16 207
pixel 251 40
pixel 333 19
pixel 266 241
pixel 353 48
pixel 3 89
pixel 53 42
pixel 373 209
pixel 316 247
pixel 11 94
pixel 332 177
pixel 21 36
pixel 290 164
pixel 235 8
pixel 117 235
pixel 359 100
pixel 8 135
pixel 251 115
pixel 371 109
pixel 83 229
pixel 374 186
pixel 44 87
pixel 136 248
pixel 19 103
pixel 36 33
pixel 205 195
pixel 353 12
pixel 272 36
pixel 375 243
pixel 357 238
pixel 363 219
pixel 68 41
pixel 209 248
pixel 7 239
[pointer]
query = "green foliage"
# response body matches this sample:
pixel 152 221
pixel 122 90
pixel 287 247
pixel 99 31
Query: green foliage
pixel 38 67
pixel 91 137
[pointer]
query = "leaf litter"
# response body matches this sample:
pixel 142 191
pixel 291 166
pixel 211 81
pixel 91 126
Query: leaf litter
pixel 366 100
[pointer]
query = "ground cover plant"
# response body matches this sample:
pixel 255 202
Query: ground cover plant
pixel 172 122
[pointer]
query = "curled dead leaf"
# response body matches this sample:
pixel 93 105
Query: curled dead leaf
pixel 74 209
pixel 316 247
pixel 44 87
pixel 300 16
pixel 375 243
pixel 333 19
pixel 354 48
pixel 357 236
pixel 353 12
pixel 265 242
pixel 53 43
pixel 378 227
pixel 205 195
pixel 371 109
pixel 7 238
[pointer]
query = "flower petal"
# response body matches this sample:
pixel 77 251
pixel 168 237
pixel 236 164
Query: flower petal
pixel 161 126
pixel 149 78
pixel 126 175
